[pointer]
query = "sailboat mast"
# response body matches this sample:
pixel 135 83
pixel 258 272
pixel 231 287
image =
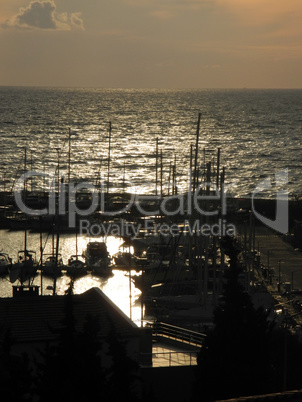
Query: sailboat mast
pixel 31 168
pixel 124 178
pixel 109 157
pixel 57 255
pixel 25 191
pixel 174 190
pixel 218 169
pixel 76 244
pixel 161 173
pixel 196 153
pixel 69 152
pixel 41 256
pixel 25 181
pixel 169 179
pixel 156 166
pixel 130 290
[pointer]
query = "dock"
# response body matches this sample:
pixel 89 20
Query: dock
pixel 276 252
pixel 283 281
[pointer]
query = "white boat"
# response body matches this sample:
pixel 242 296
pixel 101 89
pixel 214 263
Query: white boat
pixel 97 258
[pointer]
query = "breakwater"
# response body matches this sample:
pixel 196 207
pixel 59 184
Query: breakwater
pixel 129 207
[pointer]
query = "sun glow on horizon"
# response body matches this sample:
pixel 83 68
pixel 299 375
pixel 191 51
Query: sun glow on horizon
pixel 152 44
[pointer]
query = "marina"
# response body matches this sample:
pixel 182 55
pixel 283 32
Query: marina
pixel 116 286
pixel 158 265
pixel 153 252
pixel 166 247
pixel 150 201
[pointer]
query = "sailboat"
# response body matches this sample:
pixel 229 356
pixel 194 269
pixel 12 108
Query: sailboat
pixel 76 265
pixel 5 263
pixel 52 266
pixel 53 263
pixel 26 266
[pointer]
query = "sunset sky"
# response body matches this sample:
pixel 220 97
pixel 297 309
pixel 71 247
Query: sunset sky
pixel 151 43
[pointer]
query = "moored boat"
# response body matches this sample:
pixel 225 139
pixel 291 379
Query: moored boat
pixel 126 260
pixel 76 267
pixel 97 258
pixel 25 268
pixel 52 266
pixel 5 263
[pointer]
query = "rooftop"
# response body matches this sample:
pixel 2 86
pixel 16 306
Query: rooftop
pixel 31 318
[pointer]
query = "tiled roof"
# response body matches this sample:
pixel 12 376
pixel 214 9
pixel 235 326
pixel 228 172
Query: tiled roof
pixel 30 319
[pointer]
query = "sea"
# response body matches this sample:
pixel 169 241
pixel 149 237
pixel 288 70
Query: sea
pixel 258 133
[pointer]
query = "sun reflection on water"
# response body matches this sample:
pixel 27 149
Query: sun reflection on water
pixel 117 287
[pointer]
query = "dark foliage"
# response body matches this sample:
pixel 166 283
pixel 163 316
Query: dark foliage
pixel 244 353
pixel 15 372
pixel 123 381
pixel 71 367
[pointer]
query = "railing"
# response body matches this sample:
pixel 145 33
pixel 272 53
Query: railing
pixel 168 359
pixel 186 336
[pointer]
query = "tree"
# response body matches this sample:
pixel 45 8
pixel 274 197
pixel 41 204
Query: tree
pixel 123 382
pixel 71 368
pixel 235 359
pixel 15 371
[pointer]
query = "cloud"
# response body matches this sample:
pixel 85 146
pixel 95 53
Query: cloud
pixel 42 14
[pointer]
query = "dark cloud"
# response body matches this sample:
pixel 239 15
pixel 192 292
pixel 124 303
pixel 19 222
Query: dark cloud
pixel 41 14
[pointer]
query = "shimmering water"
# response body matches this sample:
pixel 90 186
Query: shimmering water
pixel 258 131
pixel 117 287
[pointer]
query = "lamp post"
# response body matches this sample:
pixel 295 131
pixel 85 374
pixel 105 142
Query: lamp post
pixel 279 282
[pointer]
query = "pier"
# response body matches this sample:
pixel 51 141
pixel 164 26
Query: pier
pixel 277 253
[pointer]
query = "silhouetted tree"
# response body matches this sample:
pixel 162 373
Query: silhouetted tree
pixel 123 381
pixel 15 372
pixel 71 368
pixel 235 360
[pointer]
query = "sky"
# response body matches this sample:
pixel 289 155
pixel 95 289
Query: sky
pixel 151 43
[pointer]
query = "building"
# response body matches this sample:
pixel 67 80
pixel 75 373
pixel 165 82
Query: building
pixel 34 321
